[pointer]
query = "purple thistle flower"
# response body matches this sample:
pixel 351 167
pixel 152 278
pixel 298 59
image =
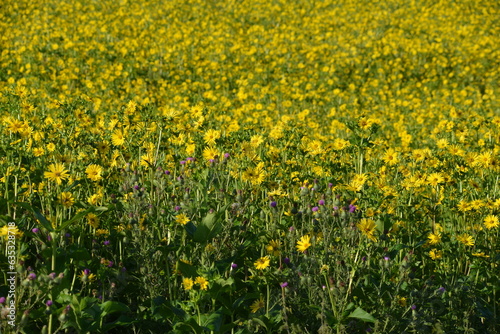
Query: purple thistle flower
pixel 321 202
pixel 273 204
pixel 49 303
pixel 284 284
pixel 35 230
pixel 32 276
pixel 352 208
pixel 106 242
pixel 2 300
pixel 314 209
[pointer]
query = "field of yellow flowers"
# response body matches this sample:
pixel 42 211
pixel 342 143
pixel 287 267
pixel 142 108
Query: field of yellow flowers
pixel 205 166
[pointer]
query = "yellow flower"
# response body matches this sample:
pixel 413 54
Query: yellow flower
pixel 257 305
pixel 56 173
pixel 118 137
pixel 210 153
pixel 94 172
pixel 491 221
pixel 434 239
pixel 6 231
pixel 187 283
pixel 390 157
pixel 93 220
pixel 262 263
pixel 182 219
pixel 435 254
pixel 367 227
pixel 466 239
pixel 202 282
pixel 211 136
pixel 67 199
pixel 304 243
pixel 274 247
pixel 434 179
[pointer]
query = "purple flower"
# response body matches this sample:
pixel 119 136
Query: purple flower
pixel 35 230
pixel 67 235
pixel 352 208
pixel 286 260
pixel 191 159
pixel 2 300
pixel 110 264
pixel 124 269
pixel 211 161
pixel 284 284
pixel 226 155
pixel 314 209
pixel 234 266
pixel 273 204
pixel 49 238
pixel 106 242
pixel 177 208
pixel 442 289
pixel 52 275
pixel 136 187
pixel 183 162
pixel 86 272
pixel 414 307
pixel 387 258
pixel 321 202
pixel 291 229
pixel 49 303
pixel 167 172
pixel 363 258
pixel 32 276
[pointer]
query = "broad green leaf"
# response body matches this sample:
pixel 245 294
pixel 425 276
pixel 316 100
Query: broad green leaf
pixel 112 307
pixel 38 215
pixel 75 218
pixel 361 314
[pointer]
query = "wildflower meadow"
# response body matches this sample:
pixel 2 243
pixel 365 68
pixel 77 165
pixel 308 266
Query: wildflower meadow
pixel 209 166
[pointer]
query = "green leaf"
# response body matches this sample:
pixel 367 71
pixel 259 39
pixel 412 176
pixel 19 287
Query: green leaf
pixel 113 307
pixel 361 314
pixel 190 228
pixel 186 270
pixel 75 218
pixel 38 215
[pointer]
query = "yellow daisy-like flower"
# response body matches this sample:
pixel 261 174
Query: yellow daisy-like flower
pixel 304 243
pixel 94 172
pixel 257 305
pixel 56 173
pixel 93 220
pixel 211 136
pixel 435 254
pixel 182 219
pixel 391 157
pixel 210 153
pixel 67 199
pixel 466 239
pixel 367 227
pixel 434 239
pixel 6 231
pixel 262 263
pixel 187 283
pixel 491 221
pixel 202 281
pixel 274 247
pixel 118 137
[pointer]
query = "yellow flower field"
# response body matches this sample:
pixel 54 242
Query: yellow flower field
pixel 249 166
